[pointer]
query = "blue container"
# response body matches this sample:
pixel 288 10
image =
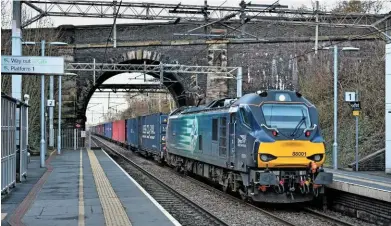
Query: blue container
pixel 132 132
pixel 152 133
pixel 108 127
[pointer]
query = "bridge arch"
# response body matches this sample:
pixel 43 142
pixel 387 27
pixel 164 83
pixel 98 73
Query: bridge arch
pixel 170 80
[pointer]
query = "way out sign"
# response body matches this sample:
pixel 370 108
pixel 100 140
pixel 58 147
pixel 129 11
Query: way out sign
pixel 32 65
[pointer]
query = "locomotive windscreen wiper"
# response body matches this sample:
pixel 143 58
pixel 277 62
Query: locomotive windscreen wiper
pixel 302 120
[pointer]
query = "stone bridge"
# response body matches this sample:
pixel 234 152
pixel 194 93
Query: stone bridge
pixel 270 61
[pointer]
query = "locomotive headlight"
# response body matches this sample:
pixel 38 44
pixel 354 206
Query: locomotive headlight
pixel 264 158
pixel 317 158
pixel 281 97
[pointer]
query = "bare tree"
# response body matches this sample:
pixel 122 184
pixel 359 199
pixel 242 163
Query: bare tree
pixel 31 84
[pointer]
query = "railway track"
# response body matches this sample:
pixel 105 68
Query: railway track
pixel 275 214
pixel 327 217
pixel 182 209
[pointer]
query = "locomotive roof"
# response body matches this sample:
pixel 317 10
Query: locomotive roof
pixel 270 95
pixel 251 99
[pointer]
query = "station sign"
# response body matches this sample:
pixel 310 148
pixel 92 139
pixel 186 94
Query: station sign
pixel 51 103
pixel 32 65
pixel 83 134
pixel 350 96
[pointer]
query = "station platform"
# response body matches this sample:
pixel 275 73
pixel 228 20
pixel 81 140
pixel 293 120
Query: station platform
pixel 87 187
pixel 369 184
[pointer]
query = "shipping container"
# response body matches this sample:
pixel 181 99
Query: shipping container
pixel 132 132
pixel 108 130
pixel 102 130
pixel 152 131
pixel 119 131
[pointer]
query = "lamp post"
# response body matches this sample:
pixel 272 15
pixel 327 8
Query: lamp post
pixel 335 143
pixel 51 96
pixel 42 142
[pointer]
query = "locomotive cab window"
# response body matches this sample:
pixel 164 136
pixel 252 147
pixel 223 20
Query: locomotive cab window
pixel 244 116
pixel 286 116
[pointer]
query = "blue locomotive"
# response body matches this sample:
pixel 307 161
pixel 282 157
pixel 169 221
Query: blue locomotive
pixel 265 146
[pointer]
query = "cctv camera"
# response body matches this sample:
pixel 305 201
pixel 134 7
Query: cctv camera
pixel 26 97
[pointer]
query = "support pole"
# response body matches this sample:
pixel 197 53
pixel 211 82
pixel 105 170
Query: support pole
pixel 51 109
pixel 356 143
pixel 335 144
pixel 26 100
pixel 388 109
pixel 317 27
pixel 16 47
pixel 356 154
pixel 16 51
pixel 94 72
pixel 74 139
pixel 239 81
pixel 115 25
pixel 59 115
pixel 42 143
pixel 242 18
pixel 89 139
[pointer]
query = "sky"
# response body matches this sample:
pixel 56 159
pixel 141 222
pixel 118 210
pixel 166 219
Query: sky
pixel 99 101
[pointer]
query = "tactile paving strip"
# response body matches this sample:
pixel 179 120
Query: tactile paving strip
pixel 113 210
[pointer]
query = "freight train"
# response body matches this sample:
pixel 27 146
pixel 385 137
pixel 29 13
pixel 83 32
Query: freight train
pixel 265 146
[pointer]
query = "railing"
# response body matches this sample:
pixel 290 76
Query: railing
pixel 70 139
pixel 14 153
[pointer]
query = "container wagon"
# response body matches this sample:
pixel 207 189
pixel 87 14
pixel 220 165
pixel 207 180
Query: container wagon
pixel 152 134
pixel 108 130
pixel 118 134
pixel 132 137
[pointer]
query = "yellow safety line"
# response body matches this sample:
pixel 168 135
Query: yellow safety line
pixel 113 210
pixel 81 192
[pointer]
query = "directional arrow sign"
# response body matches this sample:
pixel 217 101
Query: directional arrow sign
pixel 32 65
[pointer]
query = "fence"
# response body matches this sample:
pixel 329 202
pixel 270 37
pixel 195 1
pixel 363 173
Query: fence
pixel 70 139
pixel 8 144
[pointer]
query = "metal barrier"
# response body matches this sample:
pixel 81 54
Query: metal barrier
pixel 70 139
pixel 22 146
pixel 8 144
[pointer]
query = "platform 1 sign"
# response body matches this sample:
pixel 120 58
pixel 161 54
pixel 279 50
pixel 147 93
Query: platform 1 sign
pixel 32 65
